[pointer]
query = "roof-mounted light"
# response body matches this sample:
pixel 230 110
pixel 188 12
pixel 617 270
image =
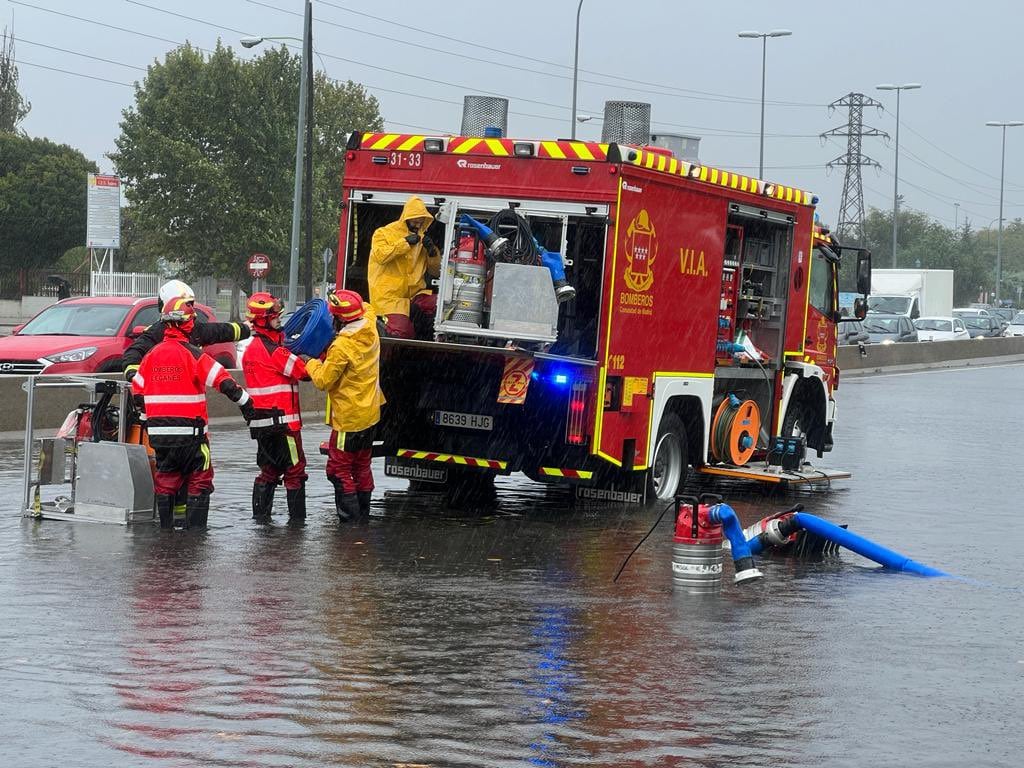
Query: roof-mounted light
pixel 433 145
pixel 523 149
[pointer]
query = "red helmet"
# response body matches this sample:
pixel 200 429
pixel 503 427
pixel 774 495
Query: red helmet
pixel 262 308
pixel 346 305
pixel 179 310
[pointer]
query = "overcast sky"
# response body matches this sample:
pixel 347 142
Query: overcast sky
pixel 683 57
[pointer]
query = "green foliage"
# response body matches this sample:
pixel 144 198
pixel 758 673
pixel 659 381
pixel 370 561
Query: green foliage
pixel 13 107
pixel 925 244
pixel 208 151
pixel 42 200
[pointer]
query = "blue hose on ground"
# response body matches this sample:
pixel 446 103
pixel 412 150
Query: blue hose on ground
pixel 742 557
pixel 310 330
pixel 781 529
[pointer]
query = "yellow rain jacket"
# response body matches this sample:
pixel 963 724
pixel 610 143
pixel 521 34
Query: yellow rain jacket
pixel 396 270
pixel 350 375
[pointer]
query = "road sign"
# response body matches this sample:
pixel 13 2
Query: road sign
pixel 103 212
pixel 259 265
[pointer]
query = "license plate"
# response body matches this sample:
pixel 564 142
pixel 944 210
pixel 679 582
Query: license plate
pixel 464 420
pixel 406 161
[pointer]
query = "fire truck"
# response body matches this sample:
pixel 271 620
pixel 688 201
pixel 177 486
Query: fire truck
pixel 701 339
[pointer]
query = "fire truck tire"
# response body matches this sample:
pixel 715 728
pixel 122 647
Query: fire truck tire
pixel 670 465
pixel 800 419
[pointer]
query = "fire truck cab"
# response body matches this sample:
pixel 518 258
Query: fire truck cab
pixel 702 330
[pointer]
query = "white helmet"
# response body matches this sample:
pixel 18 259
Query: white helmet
pixel 173 289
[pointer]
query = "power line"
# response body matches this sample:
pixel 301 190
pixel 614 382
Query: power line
pixel 76 74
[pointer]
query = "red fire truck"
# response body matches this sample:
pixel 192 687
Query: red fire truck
pixel 702 333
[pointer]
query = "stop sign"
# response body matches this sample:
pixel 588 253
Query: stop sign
pixel 259 265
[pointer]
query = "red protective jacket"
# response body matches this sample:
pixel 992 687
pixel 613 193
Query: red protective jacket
pixel 172 380
pixel 272 374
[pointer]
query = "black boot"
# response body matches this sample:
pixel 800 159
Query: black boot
pixel 364 502
pixel 165 509
pixel 262 501
pixel 297 504
pixel 346 504
pixel 197 511
pixel 180 502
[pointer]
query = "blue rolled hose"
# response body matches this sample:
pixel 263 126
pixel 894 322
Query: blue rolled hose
pixel 742 556
pixel 310 330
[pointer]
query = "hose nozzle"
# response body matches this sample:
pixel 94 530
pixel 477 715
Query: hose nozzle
pixel 496 245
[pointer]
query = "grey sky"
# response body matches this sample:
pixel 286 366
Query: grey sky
pixel 964 55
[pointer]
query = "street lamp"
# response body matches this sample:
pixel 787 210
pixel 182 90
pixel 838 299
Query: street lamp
pixel 1004 124
pixel 896 167
pixel 300 136
pixel 575 72
pixel 764 60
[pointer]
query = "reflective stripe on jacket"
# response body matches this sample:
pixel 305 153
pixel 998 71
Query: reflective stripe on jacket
pixel 272 374
pixel 350 375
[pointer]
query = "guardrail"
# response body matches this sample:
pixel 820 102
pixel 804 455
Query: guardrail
pixel 920 355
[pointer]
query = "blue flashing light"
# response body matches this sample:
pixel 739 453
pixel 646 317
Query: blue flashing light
pixel 560 378
pixel 535 376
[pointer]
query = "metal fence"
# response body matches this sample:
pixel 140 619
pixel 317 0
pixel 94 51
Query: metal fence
pixel 16 283
pixel 124 284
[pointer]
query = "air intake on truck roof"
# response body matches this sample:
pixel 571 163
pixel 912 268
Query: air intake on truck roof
pixel 482 112
pixel 627 122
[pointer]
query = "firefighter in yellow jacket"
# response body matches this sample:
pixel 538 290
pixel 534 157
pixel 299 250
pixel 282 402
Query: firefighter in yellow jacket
pixel 401 255
pixel 350 375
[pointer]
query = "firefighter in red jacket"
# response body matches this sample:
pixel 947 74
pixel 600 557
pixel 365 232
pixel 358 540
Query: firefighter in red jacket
pixel 172 381
pixel 272 374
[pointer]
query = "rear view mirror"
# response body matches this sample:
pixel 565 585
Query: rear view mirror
pixel 860 304
pixel 137 331
pixel 863 271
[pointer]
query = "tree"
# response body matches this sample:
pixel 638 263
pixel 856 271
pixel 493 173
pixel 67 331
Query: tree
pixel 13 107
pixel 42 200
pixel 207 154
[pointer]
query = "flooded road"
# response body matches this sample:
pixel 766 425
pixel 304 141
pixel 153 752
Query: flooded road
pixel 438 638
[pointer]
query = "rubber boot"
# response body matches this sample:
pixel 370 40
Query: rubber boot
pixel 364 503
pixel 165 509
pixel 262 501
pixel 297 504
pixel 180 502
pixel 346 504
pixel 197 511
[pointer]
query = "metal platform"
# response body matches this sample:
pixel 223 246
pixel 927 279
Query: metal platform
pixel 760 473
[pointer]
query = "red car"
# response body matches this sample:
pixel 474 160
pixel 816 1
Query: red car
pixel 88 335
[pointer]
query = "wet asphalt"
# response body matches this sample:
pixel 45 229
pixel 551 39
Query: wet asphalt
pixel 495 636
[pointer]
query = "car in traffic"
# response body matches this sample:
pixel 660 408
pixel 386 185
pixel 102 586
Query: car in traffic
pixel 89 335
pixel 889 329
pixel 1016 326
pixel 851 332
pixel 984 327
pixel 971 312
pixel 941 329
pixel 1005 315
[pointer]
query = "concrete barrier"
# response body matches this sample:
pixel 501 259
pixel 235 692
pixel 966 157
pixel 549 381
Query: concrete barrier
pixel 915 356
pixel 53 404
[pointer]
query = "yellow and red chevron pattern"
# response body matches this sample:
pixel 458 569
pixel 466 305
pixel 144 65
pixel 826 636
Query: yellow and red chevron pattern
pixel 571 474
pixel 471 145
pixel 664 164
pixel 449 458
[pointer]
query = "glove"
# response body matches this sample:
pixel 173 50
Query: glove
pixel 412 238
pixel 139 402
pixel 248 411
pixel 428 243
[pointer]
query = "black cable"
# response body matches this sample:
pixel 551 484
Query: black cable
pixel 646 535
pixel 521 246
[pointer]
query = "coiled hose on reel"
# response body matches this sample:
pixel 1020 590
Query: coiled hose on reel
pixel 734 430
pixel 522 249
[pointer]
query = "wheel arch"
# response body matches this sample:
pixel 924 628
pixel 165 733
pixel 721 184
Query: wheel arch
pixel 689 398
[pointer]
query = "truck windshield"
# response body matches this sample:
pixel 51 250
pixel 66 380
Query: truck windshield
pixel 77 320
pixel 889 305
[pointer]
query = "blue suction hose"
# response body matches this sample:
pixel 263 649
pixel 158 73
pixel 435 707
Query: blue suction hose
pixel 780 529
pixel 742 554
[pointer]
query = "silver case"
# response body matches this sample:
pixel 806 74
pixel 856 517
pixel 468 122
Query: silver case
pixel 114 483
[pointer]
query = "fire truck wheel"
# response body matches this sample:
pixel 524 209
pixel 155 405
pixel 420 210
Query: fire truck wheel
pixel 800 419
pixel 667 474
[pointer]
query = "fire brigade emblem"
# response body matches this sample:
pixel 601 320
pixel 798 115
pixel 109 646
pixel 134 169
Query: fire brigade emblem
pixel 641 251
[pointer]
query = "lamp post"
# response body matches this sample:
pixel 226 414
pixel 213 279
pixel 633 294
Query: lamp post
pixel 300 136
pixel 896 166
pixel 1004 124
pixel 956 217
pixel 575 73
pixel 764 60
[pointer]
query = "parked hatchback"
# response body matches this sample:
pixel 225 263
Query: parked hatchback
pixel 888 329
pixel 88 335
